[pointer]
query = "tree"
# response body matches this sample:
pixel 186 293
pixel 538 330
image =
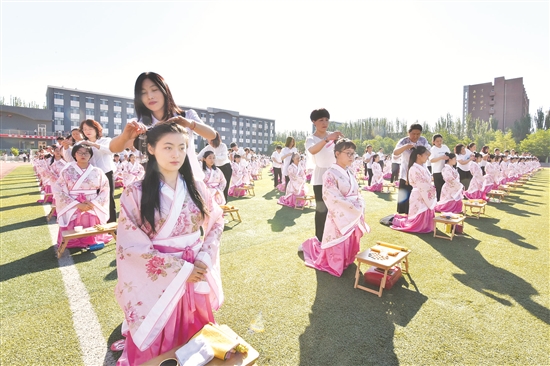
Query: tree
pixel 539 119
pixel 547 121
pixel 538 144
pixel 15 151
pixel 522 128
pixel 503 141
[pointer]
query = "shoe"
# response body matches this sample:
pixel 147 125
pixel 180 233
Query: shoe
pixel 96 246
pixel 300 248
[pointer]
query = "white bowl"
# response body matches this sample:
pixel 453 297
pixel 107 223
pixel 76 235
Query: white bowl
pixel 78 228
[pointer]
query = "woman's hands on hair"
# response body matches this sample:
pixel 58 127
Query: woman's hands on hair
pixel 184 122
pixel 133 129
pixel 335 135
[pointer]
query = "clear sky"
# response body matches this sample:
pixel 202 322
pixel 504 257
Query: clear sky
pixel 281 59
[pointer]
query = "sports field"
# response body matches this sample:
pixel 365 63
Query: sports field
pixel 481 299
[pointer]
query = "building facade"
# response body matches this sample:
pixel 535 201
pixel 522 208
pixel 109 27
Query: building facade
pixel 25 128
pixel 504 100
pixel 71 106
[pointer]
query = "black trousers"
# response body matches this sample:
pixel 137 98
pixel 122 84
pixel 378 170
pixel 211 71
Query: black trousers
pixel 381 164
pixel 112 206
pixel 277 175
pixel 403 194
pixel 483 170
pixel 287 179
pixel 465 177
pixel 320 212
pixel 370 175
pixel 395 172
pixel 227 172
pixel 438 182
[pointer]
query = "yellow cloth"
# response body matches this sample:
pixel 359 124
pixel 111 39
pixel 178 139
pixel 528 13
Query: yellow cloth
pixel 220 342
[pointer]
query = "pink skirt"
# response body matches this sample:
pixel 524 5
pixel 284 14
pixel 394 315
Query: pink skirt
pixel 281 187
pixel 85 220
pixel 387 176
pixel 48 199
pixel 449 206
pixel 185 322
pixel 289 201
pixel 374 188
pixel 334 259
pixel 475 195
pixel 236 192
pixel 422 223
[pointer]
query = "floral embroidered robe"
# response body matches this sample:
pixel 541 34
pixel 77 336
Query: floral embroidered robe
pixel 451 192
pixel 237 180
pixel 132 173
pixel 216 183
pixel 377 181
pixel 296 186
pixel 475 190
pixel 161 308
pixel 75 186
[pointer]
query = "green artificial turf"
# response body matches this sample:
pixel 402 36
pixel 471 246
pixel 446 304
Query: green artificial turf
pixel 481 299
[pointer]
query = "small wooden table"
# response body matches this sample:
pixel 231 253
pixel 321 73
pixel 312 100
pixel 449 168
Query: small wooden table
pixel 387 187
pixel 109 228
pixel 495 195
pixel 515 184
pixel 386 263
pixel 230 210
pixel 236 359
pixel 477 208
pixel 305 200
pixel 453 221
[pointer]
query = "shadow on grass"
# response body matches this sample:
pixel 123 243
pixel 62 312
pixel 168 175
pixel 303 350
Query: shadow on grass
pixel 507 206
pixel 36 193
pixel 488 279
pixel 17 187
pixel 22 205
pixel 284 218
pixel 115 335
pixel 38 221
pixel 271 194
pixel 489 226
pixel 343 317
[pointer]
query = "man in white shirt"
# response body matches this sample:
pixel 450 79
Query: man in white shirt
pixel 367 162
pixel 438 159
pixel 382 157
pixel 277 164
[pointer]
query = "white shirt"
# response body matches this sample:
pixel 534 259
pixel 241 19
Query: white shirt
pixel 466 156
pixel 276 156
pixel 220 152
pixel 405 155
pixel 103 157
pixel 382 156
pixel 438 152
pixel 320 161
pixel 367 156
pixel 286 161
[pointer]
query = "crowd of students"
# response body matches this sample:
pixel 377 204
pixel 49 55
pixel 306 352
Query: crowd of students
pixel 171 223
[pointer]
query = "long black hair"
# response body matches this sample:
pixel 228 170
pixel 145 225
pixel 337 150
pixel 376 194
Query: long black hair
pixel 418 150
pixel 150 198
pixel 207 154
pixel 170 107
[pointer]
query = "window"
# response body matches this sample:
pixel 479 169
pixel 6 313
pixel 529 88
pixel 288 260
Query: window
pixel 104 101
pixel 58 109
pixel 57 95
pixel 104 113
pixel 89 112
pixel 75 110
pixel 58 121
pixel 223 120
pixel 117 103
pixel 118 115
pixel 89 100
pixel 75 98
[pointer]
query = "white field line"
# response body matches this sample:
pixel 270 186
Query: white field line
pixel 86 324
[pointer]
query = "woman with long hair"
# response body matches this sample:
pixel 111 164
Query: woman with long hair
pixel 345 224
pixel 423 196
pixel 154 103
pixel 288 150
pixel 82 198
pixel 377 182
pixel 452 191
pixel 167 251
pixel 222 161
pixel 213 177
pixel 296 186
pixel 475 191
pixel 237 177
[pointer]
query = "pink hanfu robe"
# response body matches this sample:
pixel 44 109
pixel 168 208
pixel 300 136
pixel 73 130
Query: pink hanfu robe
pixel 344 227
pixel 75 186
pixel 46 181
pixel 296 186
pixel 161 309
pixel 216 183
pixel 377 182
pixel 237 180
pixel 421 203
pixel 451 192
pixel 132 173
pixel 475 190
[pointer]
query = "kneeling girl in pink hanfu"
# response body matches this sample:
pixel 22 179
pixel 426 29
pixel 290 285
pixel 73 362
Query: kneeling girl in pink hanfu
pixel 296 186
pixel 237 178
pixel 168 271
pixel 345 223
pixel 82 198
pixel 452 191
pixel 213 177
pixel 133 171
pixel 475 190
pixel 377 182
pixel 423 196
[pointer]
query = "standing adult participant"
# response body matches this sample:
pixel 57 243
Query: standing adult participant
pixel 438 157
pixel 403 148
pixel 167 251
pixel 463 158
pixel 367 161
pixel 286 155
pixel 221 159
pixel 153 104
pixel 346 223
pixel 395 167
pixel 277 163
pixel 320 158
pixel 382 157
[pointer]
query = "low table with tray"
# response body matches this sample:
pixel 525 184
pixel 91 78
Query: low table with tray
pixel 448 219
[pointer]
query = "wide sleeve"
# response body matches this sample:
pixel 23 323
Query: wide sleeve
pixel 447 175
pixel 101 201
pixel 421 179
pixel 344 211
pixel 63 200
pixel 104 149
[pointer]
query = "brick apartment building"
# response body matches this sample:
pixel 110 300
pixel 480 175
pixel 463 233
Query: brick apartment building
pixel 504 100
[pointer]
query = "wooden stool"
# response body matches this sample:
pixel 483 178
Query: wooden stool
pixel 477 207
pixel 387 187
pixel 306 201
pixel 109 228
pixel 230 210
pixel 496 194
pixel 373 257
pixel 453 221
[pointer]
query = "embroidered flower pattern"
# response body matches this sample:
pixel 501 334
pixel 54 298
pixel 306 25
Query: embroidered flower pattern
pixel 155 266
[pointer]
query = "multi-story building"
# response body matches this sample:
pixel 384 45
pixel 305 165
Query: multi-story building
pixel 71 106
pixel 504 100
pixel 25 128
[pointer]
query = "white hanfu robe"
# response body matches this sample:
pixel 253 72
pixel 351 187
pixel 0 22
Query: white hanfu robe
pixel 132 173
pixel 163 310
pixel 216 183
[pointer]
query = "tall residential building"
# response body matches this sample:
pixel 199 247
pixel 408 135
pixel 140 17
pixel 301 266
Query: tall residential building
pixel 504 100
pixel 71 106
